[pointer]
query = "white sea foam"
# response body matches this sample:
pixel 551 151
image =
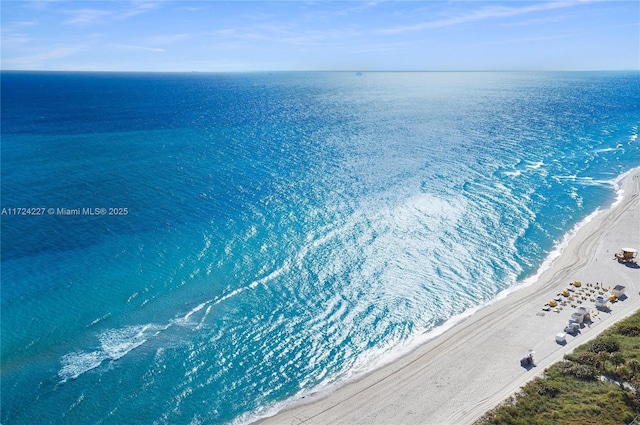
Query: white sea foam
pixel 77 363
pixel 116 343
pixel 113 345
pixel 590 181
pixel 193 310
pixel 185 320
pixel 271 276
pixel 230 294
pixel 207 245
pixel 99 319
pixel 605 150
pixel 74 405
pixel 617 184
pixel 534 165
pixel 204 317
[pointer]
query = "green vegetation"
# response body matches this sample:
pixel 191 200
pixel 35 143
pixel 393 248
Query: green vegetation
pixel 599 384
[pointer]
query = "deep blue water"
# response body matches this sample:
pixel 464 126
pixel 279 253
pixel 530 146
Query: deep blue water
pixel 283 232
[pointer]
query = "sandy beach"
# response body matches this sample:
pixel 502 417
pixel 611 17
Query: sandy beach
pixel 457 376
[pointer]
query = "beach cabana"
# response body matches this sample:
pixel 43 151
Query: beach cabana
pixel 572 328
pixel 627 255
pixel 601 303
pixel 618 291
pixel 576 318
pixel 584 312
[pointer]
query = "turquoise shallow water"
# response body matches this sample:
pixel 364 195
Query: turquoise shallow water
pixel 267 236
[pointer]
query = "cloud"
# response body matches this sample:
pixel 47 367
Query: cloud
pixel 12 26
pixel 287 34
pixel 489 12
pixel 352 7
pixel 87 16
pixel 14 40
pixel 137 8
pixel 12 34
pixel 383 47
pixel 193 8
pixel 39 59
pixel 168 38
pixel 129 47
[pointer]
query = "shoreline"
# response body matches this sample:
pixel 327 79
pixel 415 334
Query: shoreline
pixel 472 364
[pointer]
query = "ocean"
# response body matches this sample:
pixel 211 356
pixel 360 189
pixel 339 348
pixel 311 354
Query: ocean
pixel 208 248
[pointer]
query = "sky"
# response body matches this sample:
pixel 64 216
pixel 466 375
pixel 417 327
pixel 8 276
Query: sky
pixel 230 36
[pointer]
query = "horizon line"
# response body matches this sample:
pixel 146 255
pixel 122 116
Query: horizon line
pixel 355 70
